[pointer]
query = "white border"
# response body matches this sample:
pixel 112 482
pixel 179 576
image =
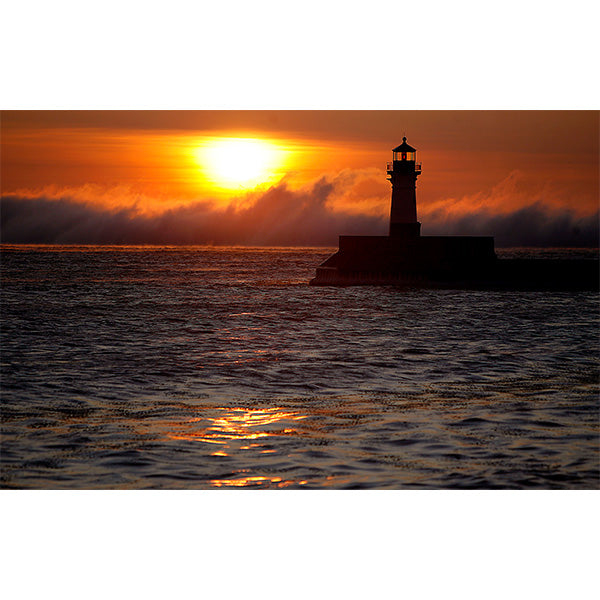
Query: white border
pixel 310 55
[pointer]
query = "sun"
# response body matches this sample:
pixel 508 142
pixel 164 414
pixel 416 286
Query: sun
pixel 239 163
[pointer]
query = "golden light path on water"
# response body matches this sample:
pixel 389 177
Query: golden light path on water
pixel 232 430
pixel 238 424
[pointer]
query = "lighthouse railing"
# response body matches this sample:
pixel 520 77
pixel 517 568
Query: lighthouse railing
pixel 390 166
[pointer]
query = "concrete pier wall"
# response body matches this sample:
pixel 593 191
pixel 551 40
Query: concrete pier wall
pixel 447 262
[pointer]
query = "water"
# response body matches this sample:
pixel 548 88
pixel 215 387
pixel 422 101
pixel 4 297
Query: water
pixel 220 367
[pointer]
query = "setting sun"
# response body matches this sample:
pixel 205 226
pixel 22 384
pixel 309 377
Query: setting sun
pixel 234 163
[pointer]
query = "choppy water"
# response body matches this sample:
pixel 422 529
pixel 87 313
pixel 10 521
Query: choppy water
pixel 202 367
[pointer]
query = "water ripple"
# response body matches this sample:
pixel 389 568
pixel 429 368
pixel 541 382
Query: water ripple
pixel 204 368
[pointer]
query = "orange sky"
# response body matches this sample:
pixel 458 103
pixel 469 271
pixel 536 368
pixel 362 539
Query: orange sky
pixel 497 161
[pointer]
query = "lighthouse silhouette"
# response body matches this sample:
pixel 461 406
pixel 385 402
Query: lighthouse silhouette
pixel 402 173
pixel 406 258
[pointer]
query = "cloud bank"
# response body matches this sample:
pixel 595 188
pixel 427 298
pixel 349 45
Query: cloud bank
pixel 532 226
pixel 312 216
pixel 278 216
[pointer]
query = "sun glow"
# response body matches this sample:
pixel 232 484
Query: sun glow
pixel 234 163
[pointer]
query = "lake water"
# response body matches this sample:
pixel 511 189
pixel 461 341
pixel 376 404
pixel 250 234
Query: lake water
pixel 201 367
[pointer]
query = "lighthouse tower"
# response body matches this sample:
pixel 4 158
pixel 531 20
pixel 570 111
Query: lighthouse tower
pixel 403 172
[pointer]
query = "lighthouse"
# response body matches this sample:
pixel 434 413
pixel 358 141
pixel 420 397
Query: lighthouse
pixel 402 173
pixel 406 258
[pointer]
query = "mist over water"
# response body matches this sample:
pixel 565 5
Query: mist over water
pixel 277 216
pixel 200 367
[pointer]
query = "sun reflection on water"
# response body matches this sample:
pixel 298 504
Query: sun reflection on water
pixel 236 425
pixel 256 482
pixel 268 447
pixel 234 430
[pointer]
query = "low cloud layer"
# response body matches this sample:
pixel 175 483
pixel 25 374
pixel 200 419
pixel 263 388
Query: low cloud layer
pixel 312 216
pixel 278 216
pixel 533 226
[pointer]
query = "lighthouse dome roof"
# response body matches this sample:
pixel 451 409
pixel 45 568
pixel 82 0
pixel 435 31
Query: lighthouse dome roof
pixel 404 147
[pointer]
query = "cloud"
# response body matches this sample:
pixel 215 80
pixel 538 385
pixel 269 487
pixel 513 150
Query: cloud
pixel 348 203
pixel 278 216
pixel 516 214
pixel 534 226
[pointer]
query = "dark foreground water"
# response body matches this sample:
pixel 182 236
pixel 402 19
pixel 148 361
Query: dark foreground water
pixel 202 367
